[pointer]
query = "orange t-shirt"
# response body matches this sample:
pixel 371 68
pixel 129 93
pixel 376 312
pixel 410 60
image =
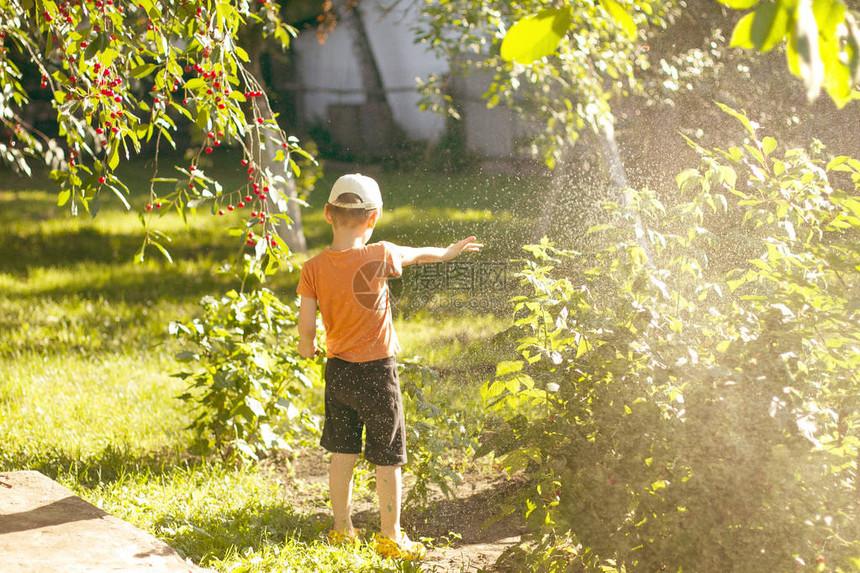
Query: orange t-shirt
pixel 351 289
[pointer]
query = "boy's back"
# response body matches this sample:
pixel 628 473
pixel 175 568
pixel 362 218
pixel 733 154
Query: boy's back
pixel 351 290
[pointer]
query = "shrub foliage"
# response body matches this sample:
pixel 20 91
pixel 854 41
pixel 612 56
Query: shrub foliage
pixel 695 408
pixel 249 374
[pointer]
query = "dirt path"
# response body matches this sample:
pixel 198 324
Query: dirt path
pixel 465 536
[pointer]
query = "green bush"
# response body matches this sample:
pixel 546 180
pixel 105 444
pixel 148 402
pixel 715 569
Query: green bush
pixel 249 374
pixel 440 438
pixel 695 408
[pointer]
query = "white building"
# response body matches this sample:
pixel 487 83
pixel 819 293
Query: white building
pixel 331 91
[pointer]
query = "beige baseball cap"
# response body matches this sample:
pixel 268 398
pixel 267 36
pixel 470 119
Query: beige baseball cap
pixel 362 185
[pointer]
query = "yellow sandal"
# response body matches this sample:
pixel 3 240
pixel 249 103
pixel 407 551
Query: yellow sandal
pixel 341 537
pixel 405 548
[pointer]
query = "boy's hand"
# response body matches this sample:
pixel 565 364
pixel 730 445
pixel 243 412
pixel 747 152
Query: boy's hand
pixel 467 245
pixel 412 255
pixel 308 349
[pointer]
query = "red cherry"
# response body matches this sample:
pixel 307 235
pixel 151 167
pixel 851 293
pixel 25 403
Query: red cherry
pixel 149 207
pixel 102 179
pixel 221 211
pixel 248 198
pixel 244 162
pixel 260 120
pixel 241 204
pixel 208 150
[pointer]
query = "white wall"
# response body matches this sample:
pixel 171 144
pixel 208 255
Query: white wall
pixel 329 72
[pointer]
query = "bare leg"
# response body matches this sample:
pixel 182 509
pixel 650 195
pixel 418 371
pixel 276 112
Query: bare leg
pixel 340 486
pixel 389 490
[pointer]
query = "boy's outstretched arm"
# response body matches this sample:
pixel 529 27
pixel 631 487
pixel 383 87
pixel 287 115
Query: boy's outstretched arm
pixel 418 255
pixel 308 327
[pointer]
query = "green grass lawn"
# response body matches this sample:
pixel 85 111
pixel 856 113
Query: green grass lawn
pixel 86 393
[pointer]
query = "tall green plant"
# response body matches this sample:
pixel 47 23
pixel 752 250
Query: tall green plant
pixel 697 412
pixel 248 377
pixel 440 437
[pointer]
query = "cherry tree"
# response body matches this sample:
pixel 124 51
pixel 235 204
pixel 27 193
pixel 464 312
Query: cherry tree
pixel 122 75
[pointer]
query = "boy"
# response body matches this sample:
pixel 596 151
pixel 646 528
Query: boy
pixel 349 282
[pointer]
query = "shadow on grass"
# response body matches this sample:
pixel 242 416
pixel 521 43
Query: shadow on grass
pixel 111 464
pixel 20 251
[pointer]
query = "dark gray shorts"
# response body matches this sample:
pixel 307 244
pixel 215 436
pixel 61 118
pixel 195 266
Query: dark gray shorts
pixel 364 395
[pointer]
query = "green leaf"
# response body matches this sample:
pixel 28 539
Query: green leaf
pixel 803 53
pixel 535 37
pixel 161 248
pixel 143 70
pixel 740 116
pixel 852 46
pixel 728 176
pixel 195 83
pixel 853 205
pixel 768 144
pixel 113 160
pixel 63 197
pixel 621 17
pixel 836 162
pixel 687 178
pixel 255 406
pixel 507 367
pixel 742 34
pixel 769 25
